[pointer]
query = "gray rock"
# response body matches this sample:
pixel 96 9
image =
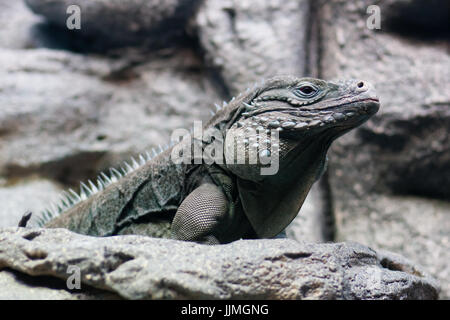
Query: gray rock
pixel 141 268
pixel 249 40
pixel 14 289
pixel 415 227
pixel 21 29
pixel 121 22
pixel 405 147
pixel 383 174
pixel 18 286
pixel 426 19
pixel 31 194
pixel 68 116
pixel 16 23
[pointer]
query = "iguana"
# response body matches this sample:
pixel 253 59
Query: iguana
pixel 223 201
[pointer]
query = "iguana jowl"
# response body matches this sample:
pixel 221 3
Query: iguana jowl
pixel 223 202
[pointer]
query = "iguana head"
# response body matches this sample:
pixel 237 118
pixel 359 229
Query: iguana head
pixel 307 115
pixel 299 106
pixel 301 111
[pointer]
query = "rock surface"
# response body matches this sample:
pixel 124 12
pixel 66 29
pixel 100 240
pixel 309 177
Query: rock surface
pixel 30 194
pixel 66 115
pixel 415 227
pixel 16 25
pixel 405 147
pixel 18 286
pixel 249 40
pixel 137 267
pixel 383 175
pixel 121 22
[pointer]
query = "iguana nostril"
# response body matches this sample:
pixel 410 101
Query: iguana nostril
pixel 361 86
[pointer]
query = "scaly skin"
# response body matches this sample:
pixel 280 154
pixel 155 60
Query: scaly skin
pixel 224 201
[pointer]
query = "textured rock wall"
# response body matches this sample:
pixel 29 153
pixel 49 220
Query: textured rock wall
pixel 390 179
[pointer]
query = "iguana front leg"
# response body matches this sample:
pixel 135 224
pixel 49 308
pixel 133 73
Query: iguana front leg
pixel 199 215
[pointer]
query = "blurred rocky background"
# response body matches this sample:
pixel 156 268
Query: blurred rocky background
pixel 75 102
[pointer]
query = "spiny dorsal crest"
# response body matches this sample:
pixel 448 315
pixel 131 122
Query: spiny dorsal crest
pixel 67 199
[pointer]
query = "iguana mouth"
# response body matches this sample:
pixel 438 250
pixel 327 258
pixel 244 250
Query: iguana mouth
pixel 288 110
pixel 369 105
pixel 289 121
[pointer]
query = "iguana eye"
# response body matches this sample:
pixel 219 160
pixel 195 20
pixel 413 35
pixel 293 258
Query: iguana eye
pixel 305 91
